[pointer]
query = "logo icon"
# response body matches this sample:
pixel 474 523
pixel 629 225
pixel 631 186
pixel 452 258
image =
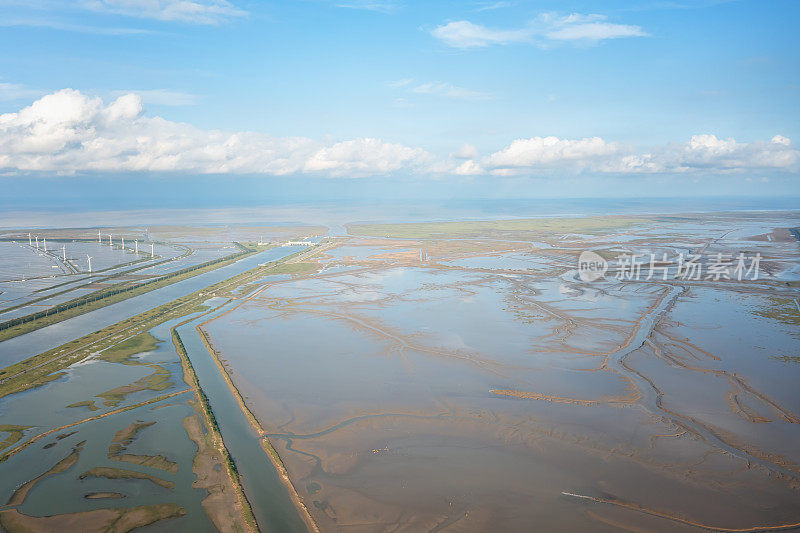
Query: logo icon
pixel 591 266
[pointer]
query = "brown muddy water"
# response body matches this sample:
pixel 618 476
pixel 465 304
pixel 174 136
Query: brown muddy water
pixel 475 388
pixel 464 384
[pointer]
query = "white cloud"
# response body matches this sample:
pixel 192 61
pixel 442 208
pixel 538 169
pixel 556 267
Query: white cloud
pixel 439 88
pixel 15 91
pixel 449 90
pixel 465 34
pixel 380 6
pixel 365 156
pixel 78 28
pixel 68 131
pixel 780 139
pixel 491 6
pixel 467 151
pixel 595 31
pixel 195 11
pixel 702 154
pixel 706 151
pixel 544 29
pixel 550 151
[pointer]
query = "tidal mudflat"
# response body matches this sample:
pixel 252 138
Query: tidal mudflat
pixel 460 376
pixel 463 377
pixel 111 431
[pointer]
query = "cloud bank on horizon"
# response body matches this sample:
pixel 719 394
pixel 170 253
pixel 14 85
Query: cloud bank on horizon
pixel 69 132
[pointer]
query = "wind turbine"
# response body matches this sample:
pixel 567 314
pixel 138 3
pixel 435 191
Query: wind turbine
pixel 110 243
pixel 45 243
pixel 123 244
pixel 137 247
pixel 90 262
pixel 64 252
pixel 99 239
pixel 152 250
pixel 37 242
pixel 30 243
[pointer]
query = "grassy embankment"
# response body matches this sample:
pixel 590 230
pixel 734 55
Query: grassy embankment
pixel 5 455
pixel 213 437
pixel 124 437
pixel 102 298
pixel 15 433
pixel 518 228
pixel 269 449
pixel 118 342
pixel 121 473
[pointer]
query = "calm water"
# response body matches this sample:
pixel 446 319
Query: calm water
pixel 36 342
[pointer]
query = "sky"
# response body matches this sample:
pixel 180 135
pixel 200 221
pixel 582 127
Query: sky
pixel 384 98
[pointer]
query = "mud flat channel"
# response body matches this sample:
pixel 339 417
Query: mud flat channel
pixel 477 384
pixel 269 499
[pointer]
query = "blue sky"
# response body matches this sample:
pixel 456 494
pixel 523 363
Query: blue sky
pixel 530 98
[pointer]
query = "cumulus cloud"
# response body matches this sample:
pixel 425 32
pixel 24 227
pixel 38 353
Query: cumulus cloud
pixel 551 151
pixel 368 156
pixel 703 153
pixel 727 155
pixel 195 11
pixel 68 131
pixel 545 29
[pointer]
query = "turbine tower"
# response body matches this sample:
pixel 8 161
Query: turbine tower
pixel 123 244
pixel 45 243
pixel 152 250
pixel 136 242
pixel 110 243
pixel 30 242
pixel 37 242
pixel 99 239
pixel 64 252
pixel 90 262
